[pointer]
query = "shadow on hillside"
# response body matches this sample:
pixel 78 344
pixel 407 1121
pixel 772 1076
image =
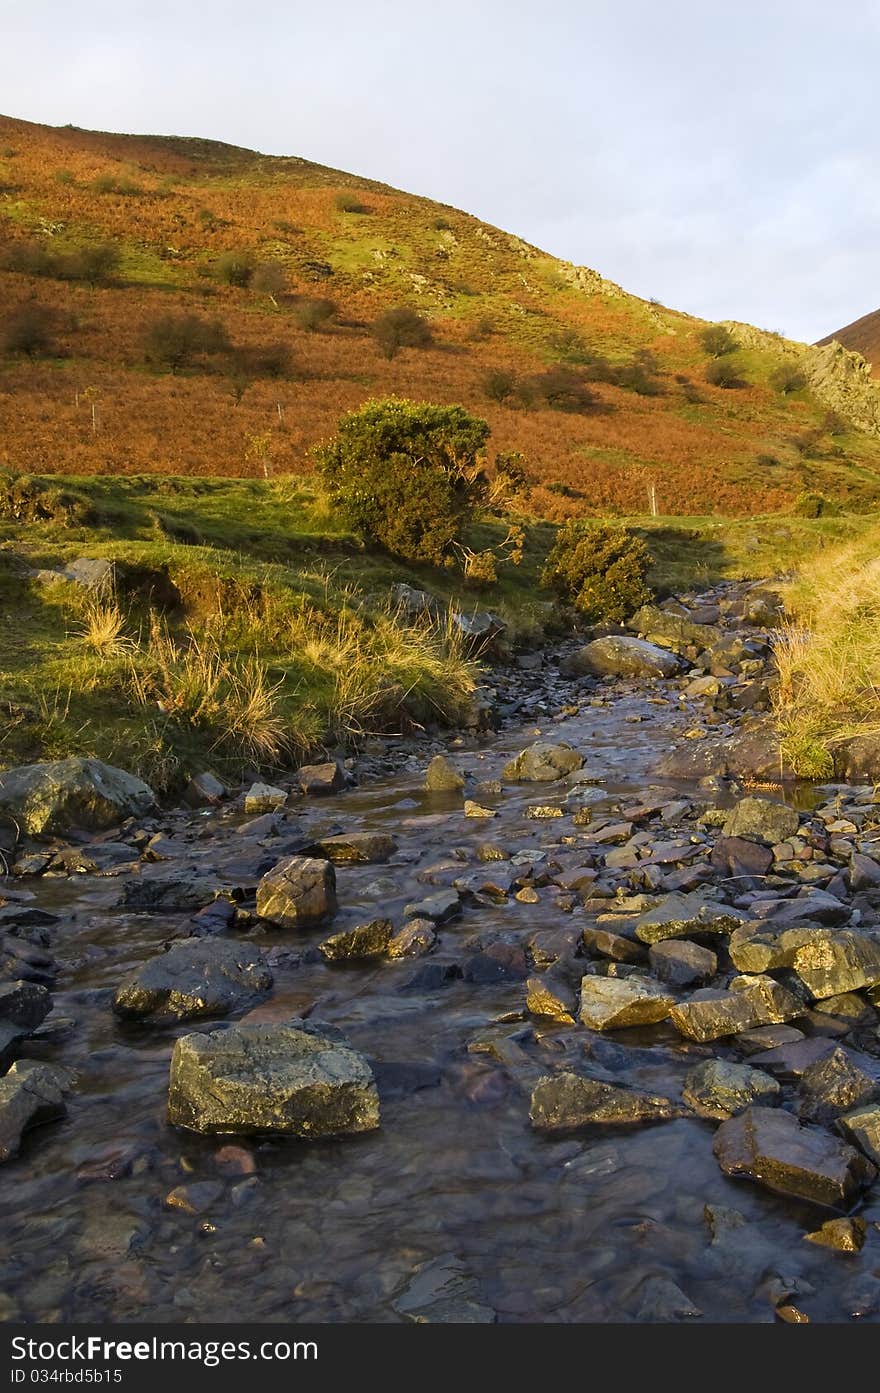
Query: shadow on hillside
pixel 684 558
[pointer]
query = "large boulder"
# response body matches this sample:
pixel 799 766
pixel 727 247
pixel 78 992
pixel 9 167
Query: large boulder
pixel 294 1079
pixel 76 792
pixel 298 893
pixel 771 1147
pixel 620 655
pixel 24 1005
pixel 30 1093
pixel 832 1086
pixel 543 762
pixel 565 1102
pixel 762 820
pixel 678 630
pixel 201 977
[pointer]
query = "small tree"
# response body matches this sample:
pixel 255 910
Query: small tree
pixel 601 569
pixel 788 377
pixel 723 372
pixel 500 385
pixel 234 268
pixel 29 330
pixel 717 340
pixel 407 475
pixel 174 340
pixel 314 312
pixel 269 278
pixel 401 328
pixel 350 203
pixel 560 388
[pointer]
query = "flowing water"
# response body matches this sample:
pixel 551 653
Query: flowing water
pixel 606 1226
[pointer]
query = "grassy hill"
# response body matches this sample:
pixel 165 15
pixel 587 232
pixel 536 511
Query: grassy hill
pixel 862 336
pixel 604 393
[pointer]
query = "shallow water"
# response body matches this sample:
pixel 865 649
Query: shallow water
pixel 590 1228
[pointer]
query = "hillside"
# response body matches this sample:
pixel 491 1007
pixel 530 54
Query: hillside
pixel 862 336
pixel 604 393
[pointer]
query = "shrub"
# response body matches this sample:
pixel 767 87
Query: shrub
pixel 788 378
pixel 813 504
pixel 350 203
pixel 406 475
pixel 314 312
pixel 401 328
pixel 499 385
pixel 109 183
pixel 717 340
pixel 561 389
pixel 601 569
pixel 246 365
pixel 722 372
pixel 640 374
pixel 234 268
pixel 269 278
pixel 95 263
pixel 174 340
pixel 29 330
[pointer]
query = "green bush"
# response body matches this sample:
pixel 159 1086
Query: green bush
pixel 95 262
pixel 813 504
pixel 406 475
pixel 600 569
pixel 401 328
pixel 723 372
pixel 29 330
pixel 788 378
pixel 499 385
pixel 234 268
pixel 174 340
pixel 314 312
pixel 717 341
pixel 561 389
pixel 349 203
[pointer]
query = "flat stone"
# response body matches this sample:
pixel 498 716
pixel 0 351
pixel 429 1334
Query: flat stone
pixel 843 1235
pixel 767 1037
pixel 737 856
pixel 299 892
pixel 682 963
pixel 543 762
pixel 71 793
pixel 682 916
pixel 30 1093
pixel 200 977
pixel 710 1015
pixel 444 1292
pixel 771 1147
pixel 762 820
pixel 608 944
pixel 565 1102
pixel 260 1079
pixel 719 1089
pixel 264 798
pixel 364 941
pixel 439 908
pixel 473 809
pixel 830 963
pixel 355 848
pixel 610 1003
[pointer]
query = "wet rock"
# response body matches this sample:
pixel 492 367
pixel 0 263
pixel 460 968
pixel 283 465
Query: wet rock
pixel 500 962
pixel 679 629
pixel 204 791
pixel 195 1197
pixel 710 1015
pixel 318 779
pixel 864 872
pixel 843 1235
pixel 619 655
pixel 767 1037
pixel 30 1094
pixel 363 941
pixel 660 1299
pixel 235 1160
pixel 565 1102
pixel 200 977
pixel 682 963
pixel 540 812
pixel 771 1147
pixel 444 1292
pixel 810 906
pixel 442 776
pixel 762 820
pixel 298 893
pixel 355 848
pixel 719 1089
pixel 609 1003
pixel 72 793
pixel 159 894
pixel 414 940
pixel 23 1003
pixel 862 1127
pixel 472 809
pixel 264 798
pixel 833 1085
pixel 551 997
pixel 439 908
pixel 737 856
pixel 543 762
pixel 790 1059
pixel 252 1079
pixel 830 963
pixel 682 916
pixel 611 945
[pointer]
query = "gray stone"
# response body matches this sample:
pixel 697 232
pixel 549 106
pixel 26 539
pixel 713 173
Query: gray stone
pixel 439 908
pixel 619 655
pixel 771 1147
pixel 682 963
pixel 264 798
pixel 444 1292
pixel 719 1089
pixel 543 762
pixel 298 893
pixel 442 776
pixel 258 1079
pixel 682 916
pixel 30 1093
pixel 414 940
pixel 356 848
pixel 93 573
pixel 611 1003
pixel 363 941
pixel 201 977
pixel 204 791
pixel 710 1015
pixel 832 1086
pixel 76 792
pixel 863 1128
pixel 678 629
pixel 24 1003
pixel 762 820
pixel 565 1102
pixel 318 779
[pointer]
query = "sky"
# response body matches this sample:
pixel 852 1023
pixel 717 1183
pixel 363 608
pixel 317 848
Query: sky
pixel 722 158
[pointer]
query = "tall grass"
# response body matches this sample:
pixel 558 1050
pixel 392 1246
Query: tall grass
pixel 828 657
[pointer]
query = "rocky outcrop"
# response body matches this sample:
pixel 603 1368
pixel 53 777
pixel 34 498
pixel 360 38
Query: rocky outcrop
pixel 296 1079
pixel 72 793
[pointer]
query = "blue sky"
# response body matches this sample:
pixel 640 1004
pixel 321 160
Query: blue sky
pixel 723 158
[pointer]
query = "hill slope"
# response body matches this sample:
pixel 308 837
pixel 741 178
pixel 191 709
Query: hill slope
pixel 626 403
pixel 862 336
